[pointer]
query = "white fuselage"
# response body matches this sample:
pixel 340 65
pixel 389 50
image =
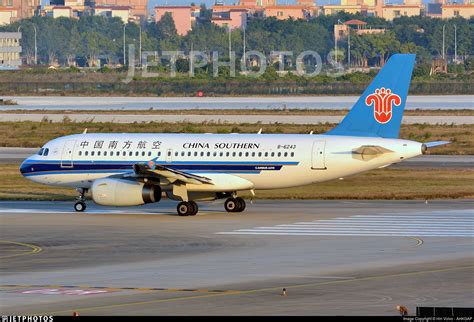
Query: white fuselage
pixel 268 161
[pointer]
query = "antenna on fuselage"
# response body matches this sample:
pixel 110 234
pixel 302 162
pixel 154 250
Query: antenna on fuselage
pixel 311 133
pixel 85 131
pixel 259 131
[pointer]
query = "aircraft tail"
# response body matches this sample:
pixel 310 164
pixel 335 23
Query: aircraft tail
pixel 379 111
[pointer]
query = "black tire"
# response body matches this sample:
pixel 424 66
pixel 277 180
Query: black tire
pixel 184 208
pixel 80 206
pixel 195 208
pixel 241 203
pixel 231 205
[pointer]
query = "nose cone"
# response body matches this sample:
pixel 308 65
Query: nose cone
pixel 24 167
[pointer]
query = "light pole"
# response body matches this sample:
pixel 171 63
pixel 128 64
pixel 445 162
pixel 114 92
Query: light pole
pixel 335 38
pixel 444 27
pixel 124 53
pixel 230 42
pixel 245 48
pixel 455 45
pixel 140 45
pixel 36 47
pixel 349 47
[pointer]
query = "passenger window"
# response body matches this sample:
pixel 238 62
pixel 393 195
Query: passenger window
pixel 176 153
pixel 86 153
pixel 183 153
pixel 195 153
pixel 259 154
pixel 227 154
pixel 159 153
pixel 92 153
pixel 80 153
pixel 266 154
pixel 246 154
pixel 143 153
pixel 124 153
pixel 149 154
pixel 273 154
pixel 98 153
pixel 189 153
pixel 286 154
pixel 292 154
pixel 208 154
pixel 253 154
pixel 202 153
pixel 118 153
pixel 215 153
pixel 130 153
pixel 279 154
pixel 221 154
pixel 136 153
pixel 240 154
pixel 233 154
pixel 105 153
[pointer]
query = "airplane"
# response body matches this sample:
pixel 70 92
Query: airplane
pixel 136 169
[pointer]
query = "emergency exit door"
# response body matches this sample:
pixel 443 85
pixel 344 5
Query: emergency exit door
pixel 318 161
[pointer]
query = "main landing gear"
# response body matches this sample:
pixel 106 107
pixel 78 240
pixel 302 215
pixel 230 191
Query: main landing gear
pixel 234 204
pixel 80 204
pixel 187 208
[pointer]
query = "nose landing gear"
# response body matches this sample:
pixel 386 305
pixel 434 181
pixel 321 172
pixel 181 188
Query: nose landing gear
pixel 80 204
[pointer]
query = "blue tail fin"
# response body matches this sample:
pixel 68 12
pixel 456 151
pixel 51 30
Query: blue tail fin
pixel 379 110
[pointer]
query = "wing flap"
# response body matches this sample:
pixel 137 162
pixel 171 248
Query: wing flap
pixel 171 175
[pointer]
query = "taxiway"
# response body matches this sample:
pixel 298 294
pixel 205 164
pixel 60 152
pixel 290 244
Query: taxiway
pixel 333 258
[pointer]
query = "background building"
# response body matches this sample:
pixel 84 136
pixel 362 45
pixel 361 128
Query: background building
pixel 10 50
pixel 138 7
pixel 184 17
pixel 14 10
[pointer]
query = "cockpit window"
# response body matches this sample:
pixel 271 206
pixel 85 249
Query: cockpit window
pixel 46 151
pixel 40 152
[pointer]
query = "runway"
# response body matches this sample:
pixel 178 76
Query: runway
pixel 333 257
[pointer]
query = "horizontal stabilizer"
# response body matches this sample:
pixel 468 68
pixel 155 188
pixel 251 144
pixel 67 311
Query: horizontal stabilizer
pixel 436 143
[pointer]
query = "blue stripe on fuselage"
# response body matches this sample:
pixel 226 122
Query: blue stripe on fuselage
pixel 36 167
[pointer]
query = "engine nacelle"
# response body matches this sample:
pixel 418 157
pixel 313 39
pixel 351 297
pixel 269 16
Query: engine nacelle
pixel 117 192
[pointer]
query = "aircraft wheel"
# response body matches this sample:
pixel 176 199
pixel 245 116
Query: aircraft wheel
pixel 241 203
pixel 184 208
pixel 80 206
pixel 194 207
pixel 231 205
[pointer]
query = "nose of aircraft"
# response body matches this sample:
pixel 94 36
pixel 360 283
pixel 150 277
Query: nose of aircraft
pixel 24 166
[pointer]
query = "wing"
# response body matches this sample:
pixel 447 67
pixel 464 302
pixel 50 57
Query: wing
pixel 161 173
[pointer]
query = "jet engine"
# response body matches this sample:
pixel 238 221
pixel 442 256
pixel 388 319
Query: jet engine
pixel 118 192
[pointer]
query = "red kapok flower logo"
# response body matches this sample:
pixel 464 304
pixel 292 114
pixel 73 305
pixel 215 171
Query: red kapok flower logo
pixel 383 100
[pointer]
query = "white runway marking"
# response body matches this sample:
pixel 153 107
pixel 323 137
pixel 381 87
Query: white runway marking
pixel 432 224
